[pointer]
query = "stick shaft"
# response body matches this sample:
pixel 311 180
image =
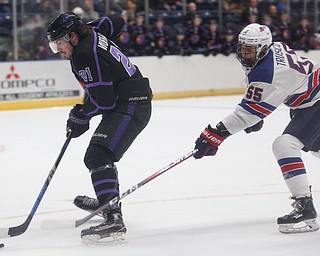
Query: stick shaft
pixel 20 229
pixel 115 200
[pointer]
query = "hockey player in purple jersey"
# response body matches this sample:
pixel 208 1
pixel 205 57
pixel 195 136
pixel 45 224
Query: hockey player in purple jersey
pixel 117 91
pixel 275 74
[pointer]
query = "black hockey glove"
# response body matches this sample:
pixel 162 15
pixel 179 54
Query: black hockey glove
pixel 209 141
pixel 78 122
pixel 254 128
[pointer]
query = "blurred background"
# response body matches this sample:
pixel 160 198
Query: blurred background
pixel 161 27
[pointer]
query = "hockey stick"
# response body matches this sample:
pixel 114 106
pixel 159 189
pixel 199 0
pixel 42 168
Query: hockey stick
pixel 20 229
pixel 73 224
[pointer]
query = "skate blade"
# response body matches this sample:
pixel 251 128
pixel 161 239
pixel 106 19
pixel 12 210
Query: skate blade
pixel 301 227
pixel 118 238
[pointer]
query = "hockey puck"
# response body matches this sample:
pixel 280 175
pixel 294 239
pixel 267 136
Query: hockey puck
pixel 1 245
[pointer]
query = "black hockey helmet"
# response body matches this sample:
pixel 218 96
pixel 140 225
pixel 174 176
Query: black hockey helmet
pixel 63 25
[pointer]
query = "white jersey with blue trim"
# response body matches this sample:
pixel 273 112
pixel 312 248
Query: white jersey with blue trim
pixel 281 76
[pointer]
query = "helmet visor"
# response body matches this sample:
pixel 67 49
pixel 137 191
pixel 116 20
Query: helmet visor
pixel 53 46
pixel 58 44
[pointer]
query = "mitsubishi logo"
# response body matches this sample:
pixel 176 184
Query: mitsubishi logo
pixel 12 74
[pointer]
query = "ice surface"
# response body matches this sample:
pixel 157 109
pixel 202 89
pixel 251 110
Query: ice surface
pixel 223 205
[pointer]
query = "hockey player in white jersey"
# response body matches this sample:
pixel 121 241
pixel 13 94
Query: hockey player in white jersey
pixel 275 74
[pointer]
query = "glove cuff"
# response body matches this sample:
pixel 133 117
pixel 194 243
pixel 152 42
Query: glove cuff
pixel 77 116
pixel 212 137
pixel 81 121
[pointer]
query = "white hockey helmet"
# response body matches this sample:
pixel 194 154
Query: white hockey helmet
pixel 254 42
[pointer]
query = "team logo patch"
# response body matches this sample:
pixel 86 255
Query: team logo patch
pixel 262 28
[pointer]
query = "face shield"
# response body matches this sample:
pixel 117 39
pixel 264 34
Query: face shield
pixel 59 44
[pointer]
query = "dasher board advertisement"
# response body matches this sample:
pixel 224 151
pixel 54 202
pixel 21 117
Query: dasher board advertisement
pixel 38 80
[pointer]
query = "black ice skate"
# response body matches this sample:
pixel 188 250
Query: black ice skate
pixel 301 219
pixel 111 231
pixel 87 204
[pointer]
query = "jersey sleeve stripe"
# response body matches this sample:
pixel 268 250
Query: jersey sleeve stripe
pixel 314 88
pixel 261 109
pixel 103 19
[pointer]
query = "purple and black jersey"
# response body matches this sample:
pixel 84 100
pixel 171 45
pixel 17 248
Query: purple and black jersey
pixel 102 69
